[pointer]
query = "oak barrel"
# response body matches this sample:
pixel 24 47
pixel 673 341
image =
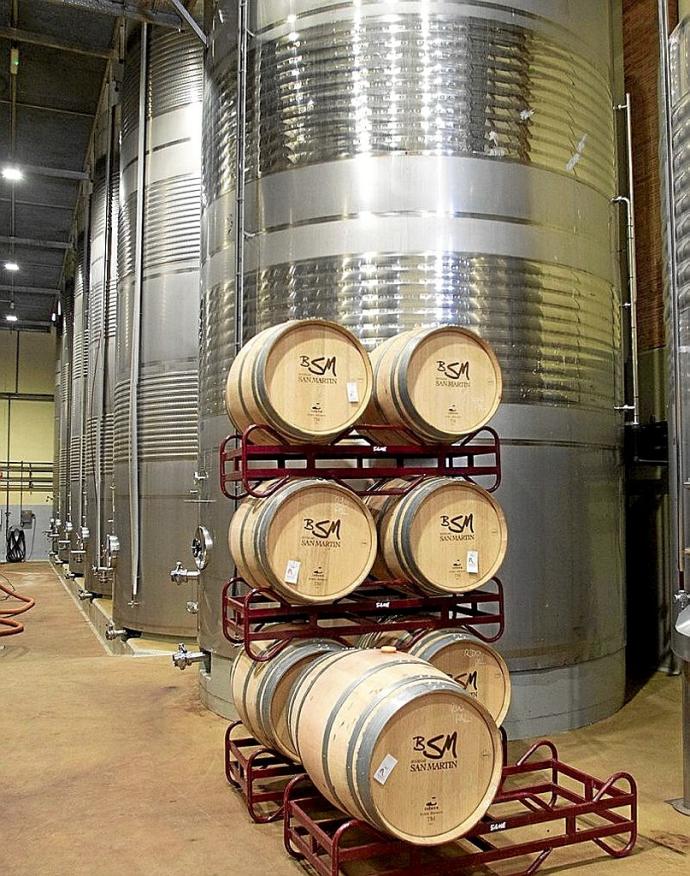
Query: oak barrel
pixel 445 535
pixel 309 379
pixel 440 383
pixel 477 667
pixel 390 739
pixel 261 690
pixel 381 507
pixel 311 541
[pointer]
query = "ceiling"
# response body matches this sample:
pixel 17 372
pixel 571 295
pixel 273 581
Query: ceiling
pixel 47 111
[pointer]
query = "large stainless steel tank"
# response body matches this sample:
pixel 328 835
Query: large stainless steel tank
pixel 53 534
pixel 433 162
pixel 156 389
pixel 102 321
pixel 63 404
pixel 80 369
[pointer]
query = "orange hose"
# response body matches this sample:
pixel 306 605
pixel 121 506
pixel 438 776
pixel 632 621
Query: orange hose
pixel 12 627
pixel 9 627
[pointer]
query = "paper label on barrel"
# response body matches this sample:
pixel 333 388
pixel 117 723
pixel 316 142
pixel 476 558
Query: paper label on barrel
pixel 292 571
pixel 352 393
pixel 386 767
pixel 473 562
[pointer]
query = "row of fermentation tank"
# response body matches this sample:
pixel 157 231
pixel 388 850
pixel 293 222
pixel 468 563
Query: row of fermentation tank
pixel 406 165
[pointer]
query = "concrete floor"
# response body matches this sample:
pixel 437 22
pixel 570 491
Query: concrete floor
pixel 108 765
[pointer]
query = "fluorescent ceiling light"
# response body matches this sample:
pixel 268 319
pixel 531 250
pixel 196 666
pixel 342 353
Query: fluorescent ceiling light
pixel 11 266
pixel 12 174
pixel 11 317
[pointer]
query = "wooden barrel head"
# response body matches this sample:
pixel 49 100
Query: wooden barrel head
pixel 477 667
pixel 439 383
pixel 446 535
pixel 446 754
pixel 312 541
pixel 308 379
pixel 453 381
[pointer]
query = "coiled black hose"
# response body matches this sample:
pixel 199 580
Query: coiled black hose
pixel 16 545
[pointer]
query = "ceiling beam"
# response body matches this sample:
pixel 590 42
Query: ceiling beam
pixel 28 290
pixel 26 325
pixel 32 241
pixel 50 109
pixel 50 42
pixel 57 172
pixel 127 8
pixel 46 205
pixel 185 14
pixel 28 396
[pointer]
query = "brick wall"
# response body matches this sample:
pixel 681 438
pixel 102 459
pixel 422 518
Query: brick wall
pixel 641 55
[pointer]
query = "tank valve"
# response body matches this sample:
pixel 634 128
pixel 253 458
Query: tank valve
pixel 111 633
pixel 193 608
pixel 182 658
pixel 85 594
pixel 178 575
pixel 63 543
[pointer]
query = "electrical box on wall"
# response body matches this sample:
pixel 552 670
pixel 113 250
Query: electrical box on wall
pixel 27 519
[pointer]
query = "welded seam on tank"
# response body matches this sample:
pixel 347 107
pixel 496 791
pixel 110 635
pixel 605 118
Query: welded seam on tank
pixel 417 214
pixel 430 153
pixel 550 24
pixel 342 699
pixel 567 445
pixel 383 257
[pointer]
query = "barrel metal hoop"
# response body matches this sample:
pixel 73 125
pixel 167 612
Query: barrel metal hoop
pixel 363 765
pixel 259 386
pixel 240 395
pixel 373 670
pixel 311 678
pixel 407 416
pixel 279 665
pixel 425 429
pixel 432 643
pixel 409 505
pixel 270 507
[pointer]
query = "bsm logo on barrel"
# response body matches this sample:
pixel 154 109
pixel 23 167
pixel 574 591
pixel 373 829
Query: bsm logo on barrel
pixel 439 752
pixel 321 369
pixel 322 532
pixel 454 373
pixel 457 528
